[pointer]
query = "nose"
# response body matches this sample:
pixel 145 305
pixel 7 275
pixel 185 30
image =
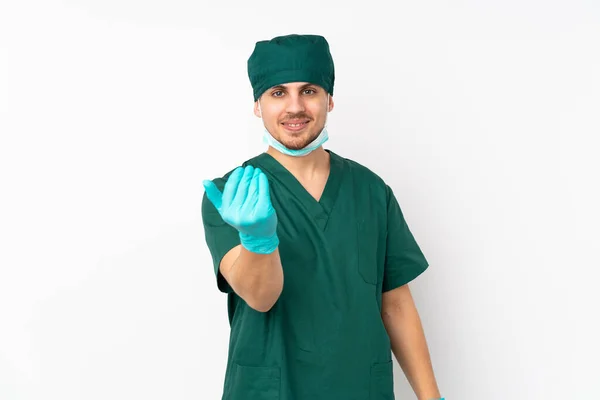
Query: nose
pixel 295 104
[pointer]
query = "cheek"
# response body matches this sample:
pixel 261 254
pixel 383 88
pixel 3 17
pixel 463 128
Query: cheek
pixel 318 111
pixel 272 114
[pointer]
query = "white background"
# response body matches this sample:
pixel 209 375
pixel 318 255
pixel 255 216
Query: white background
pixel 482 116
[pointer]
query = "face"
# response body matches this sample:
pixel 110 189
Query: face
pixel 294 113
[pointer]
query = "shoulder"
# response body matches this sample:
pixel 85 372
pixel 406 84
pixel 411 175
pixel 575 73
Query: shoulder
pixel 364 175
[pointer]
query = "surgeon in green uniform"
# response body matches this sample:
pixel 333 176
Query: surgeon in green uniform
pixel 313 251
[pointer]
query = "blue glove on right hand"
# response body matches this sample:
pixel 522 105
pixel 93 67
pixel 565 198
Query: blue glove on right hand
pixel 245 204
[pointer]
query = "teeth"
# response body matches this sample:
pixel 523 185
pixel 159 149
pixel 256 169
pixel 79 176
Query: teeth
pixel 295 125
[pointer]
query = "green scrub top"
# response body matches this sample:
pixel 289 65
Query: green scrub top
pixel 324 339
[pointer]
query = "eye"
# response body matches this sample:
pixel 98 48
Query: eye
pixel 310 90
pixel 277 93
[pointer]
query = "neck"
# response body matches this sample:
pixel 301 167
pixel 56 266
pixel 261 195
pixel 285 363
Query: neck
pixel 305 166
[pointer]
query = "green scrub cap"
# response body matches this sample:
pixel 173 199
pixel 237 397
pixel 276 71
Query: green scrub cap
pixel 291 58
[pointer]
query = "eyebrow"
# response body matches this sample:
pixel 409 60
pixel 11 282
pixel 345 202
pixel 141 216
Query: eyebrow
pixel 281 87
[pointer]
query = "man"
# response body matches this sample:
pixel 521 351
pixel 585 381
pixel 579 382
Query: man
pixel 313 251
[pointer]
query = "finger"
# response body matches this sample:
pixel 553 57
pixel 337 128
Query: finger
pixel 231 185
pixel 213 193
pixel 252 197
pixel 263 189
pixel 242 190
pixel 255 175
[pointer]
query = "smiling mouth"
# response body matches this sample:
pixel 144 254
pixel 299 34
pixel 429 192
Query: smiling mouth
pixel 295 125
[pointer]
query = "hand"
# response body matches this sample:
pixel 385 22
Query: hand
pixel 245 204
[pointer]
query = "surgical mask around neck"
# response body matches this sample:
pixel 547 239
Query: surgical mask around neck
pixel 315 144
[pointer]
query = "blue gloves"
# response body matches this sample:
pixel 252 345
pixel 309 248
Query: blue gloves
pixel 245 204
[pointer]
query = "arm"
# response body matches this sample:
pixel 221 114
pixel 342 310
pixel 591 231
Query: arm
pixel 403 324
pixel 243 210
pixel 256 278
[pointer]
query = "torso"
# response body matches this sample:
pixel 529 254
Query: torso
pixel 324 338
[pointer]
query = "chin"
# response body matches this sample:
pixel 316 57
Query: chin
pixel 298 142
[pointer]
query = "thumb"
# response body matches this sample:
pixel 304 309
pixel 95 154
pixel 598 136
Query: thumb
pixel 213 193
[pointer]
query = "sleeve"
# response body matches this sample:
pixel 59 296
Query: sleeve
pixel 404 260
pixel 220 237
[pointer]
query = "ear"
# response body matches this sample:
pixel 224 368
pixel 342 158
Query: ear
pixel 256 109
pixel 330 105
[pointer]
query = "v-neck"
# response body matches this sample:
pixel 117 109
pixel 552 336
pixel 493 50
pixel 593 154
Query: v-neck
pixel 320 209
